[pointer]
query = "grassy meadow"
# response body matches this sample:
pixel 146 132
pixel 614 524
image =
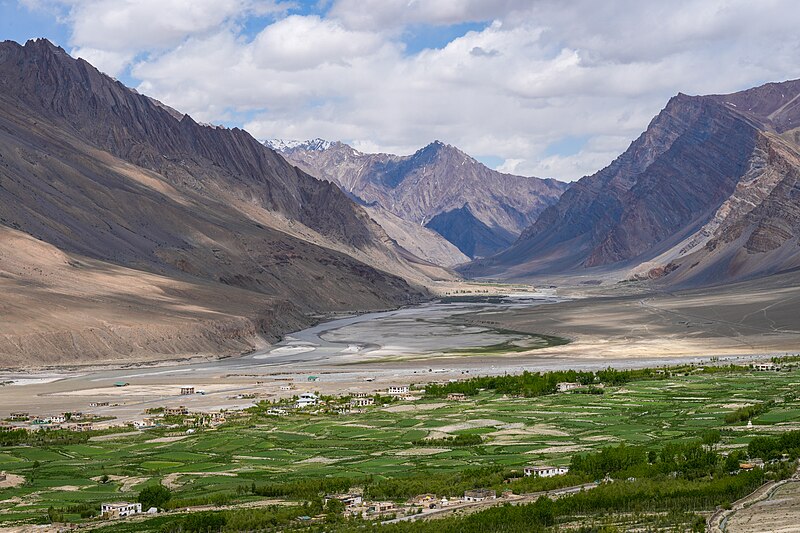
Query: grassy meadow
pixel 216 465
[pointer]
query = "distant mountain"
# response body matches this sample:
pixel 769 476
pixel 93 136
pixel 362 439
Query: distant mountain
pixel 129 231
pixel 313 145
pixel 707 194
pixel 436 180
pixel 469 234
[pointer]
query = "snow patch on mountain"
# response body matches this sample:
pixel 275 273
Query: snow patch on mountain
pixel 284 145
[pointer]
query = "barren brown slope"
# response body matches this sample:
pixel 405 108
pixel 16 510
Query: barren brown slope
pixel 101 173
pixel 61 309
pixel 708 190
pixel 756 232
pixel 222 165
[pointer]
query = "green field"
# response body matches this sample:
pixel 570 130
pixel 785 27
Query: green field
pixel 516 431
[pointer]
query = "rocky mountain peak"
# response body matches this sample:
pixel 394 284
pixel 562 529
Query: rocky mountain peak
pixel 287 146
pixel 705 172
pixel 435 180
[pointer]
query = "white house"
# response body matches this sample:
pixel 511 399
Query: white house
pixel 398 389
pixel 144 423
pixel 566 386
pixel 348 500
pixel 286 387
pixel 306 399
pixel 362 402
pixel 119 509
pixel 767 366
pixel 545 471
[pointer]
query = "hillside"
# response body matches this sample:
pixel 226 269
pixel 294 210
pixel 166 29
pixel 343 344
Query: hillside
pixel 436 180
pixel 126 188
pixel 705 195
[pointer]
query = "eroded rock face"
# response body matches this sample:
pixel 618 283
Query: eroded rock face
pixel 435 180
pixel 218 162
pixel 710 178
pixel 242 242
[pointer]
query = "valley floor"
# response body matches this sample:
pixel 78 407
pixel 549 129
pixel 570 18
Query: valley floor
pixel 638 321
pixel 217 466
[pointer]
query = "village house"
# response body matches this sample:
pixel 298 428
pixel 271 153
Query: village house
pixel 371 509
pixel 350 499
pixel 98 404
pixel 479 495
pixel 19 416
pixel 80 427
pixel 275 411
pixel 362 402
pixel 58 419
pixel 397 389
pixel 457 397
pixel 181 410
pixel 286 387
pixel 752 464
pixel 187 390
pixel 145 423
pixel 766 366
pixel 110 511
pixel 306 399
pixel 545 471
pixel 359 395
pixel 426 501
pixel 566 386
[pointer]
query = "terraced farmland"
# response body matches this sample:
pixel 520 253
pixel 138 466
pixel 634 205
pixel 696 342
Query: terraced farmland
pixel 217 463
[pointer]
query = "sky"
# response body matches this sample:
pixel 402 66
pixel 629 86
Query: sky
pixel 532 87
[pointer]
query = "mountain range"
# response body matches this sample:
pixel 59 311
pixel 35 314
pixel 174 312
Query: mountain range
pixel 707 194
pixel 127 229
pixel 478 210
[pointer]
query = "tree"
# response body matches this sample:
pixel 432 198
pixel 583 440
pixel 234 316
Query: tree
pixel 154 496
pixel 334 509
pixel 711 438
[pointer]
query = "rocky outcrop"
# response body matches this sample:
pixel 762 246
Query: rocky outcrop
pixel 435 180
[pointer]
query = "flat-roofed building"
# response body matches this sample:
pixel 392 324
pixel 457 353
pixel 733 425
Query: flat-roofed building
pixel 545 471
pixel 362 402
pixel 479 495
pixel 113 510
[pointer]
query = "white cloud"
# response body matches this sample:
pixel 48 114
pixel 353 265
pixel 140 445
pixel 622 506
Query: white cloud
pixel 395 14
pixel 297 43
pixel 537 73
pixel 108 61
pixel 110 33
pixel 509 166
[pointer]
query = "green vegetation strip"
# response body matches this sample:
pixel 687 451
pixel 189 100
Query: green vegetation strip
pixel 518 419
